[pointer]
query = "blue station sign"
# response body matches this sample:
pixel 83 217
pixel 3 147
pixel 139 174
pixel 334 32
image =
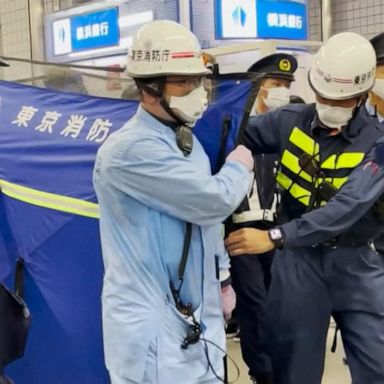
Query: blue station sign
pixel 88 31
pixel 265 19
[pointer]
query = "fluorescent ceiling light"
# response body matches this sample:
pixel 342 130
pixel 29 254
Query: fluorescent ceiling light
pixel 136 19
pixel 124 44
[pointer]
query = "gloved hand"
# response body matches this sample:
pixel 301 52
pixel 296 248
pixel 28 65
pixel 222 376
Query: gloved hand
pixel 242 155
pixel 228 298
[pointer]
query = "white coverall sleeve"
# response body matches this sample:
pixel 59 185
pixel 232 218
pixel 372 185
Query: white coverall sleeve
pixel 223 258
pixel 165 181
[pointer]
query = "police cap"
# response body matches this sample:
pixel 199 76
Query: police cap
pixel 279 65
pixel 378 44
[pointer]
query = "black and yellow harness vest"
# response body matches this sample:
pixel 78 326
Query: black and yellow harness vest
pixel 311 179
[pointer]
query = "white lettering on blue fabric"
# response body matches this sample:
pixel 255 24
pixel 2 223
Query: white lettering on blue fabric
pixel 97 133
pixel 75 124
pixel 99 130
pixel 49 120
pixel 25 115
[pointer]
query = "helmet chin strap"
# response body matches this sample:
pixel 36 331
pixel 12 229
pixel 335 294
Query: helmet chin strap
pixel 171 112
pixel 360 102
pixel 184 138
pixel 159 93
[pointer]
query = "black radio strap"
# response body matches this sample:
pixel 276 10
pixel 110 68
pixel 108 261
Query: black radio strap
pixel 19 278
pixel 184 257
pixel 182 265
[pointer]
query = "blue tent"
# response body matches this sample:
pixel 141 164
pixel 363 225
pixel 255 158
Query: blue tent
pixel 49 216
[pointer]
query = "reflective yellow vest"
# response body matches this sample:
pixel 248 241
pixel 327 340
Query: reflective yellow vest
pixel 302 178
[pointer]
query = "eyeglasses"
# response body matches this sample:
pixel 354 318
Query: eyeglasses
pixel 192 82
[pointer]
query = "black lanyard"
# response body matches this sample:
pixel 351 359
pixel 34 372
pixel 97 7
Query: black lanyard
pixel 182 265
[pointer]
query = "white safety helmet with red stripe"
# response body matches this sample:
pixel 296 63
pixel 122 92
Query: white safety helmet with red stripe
pixel 162 48
pixel 343 67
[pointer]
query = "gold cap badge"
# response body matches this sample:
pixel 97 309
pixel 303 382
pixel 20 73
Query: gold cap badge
pixel 285 65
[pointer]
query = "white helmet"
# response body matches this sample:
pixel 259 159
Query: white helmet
pixel 343 67
pixel 162 48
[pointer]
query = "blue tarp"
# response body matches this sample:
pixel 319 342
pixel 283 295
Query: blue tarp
pixel 48 143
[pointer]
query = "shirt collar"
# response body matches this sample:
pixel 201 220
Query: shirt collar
pixel 372 112
pixel 154 120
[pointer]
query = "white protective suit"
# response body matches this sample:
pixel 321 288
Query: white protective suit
pixel 147 190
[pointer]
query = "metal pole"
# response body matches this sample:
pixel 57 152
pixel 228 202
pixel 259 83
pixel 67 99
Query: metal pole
pixel 185 13
pixel 326 19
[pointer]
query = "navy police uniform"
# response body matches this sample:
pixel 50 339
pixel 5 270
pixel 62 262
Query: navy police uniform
pixel 250 274
pixel 313 279
pixel 378 44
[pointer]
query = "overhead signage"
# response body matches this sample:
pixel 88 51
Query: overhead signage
pixel 88 31
pixel 251 19
pixel 236 19
pixel 281 20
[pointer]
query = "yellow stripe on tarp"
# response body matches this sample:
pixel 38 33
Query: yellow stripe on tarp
pixel 50 200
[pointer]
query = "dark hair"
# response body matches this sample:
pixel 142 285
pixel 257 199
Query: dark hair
pixel 294 99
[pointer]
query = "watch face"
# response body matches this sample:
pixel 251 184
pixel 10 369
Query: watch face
pixel 275 234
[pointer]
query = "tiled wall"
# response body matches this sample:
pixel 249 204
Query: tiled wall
pixel 314 21
pixel 362 16
pixel 14 23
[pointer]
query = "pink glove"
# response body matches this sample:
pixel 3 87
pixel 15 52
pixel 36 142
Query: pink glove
pixel 228 298
pixel 242 155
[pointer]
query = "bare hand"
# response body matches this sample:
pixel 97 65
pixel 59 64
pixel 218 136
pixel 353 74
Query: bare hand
pixel 248 241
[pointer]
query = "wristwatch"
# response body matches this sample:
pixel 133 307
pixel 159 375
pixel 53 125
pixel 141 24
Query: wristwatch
pixel 277 237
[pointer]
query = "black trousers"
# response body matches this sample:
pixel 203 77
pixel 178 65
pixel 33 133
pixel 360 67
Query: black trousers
pixel 251 278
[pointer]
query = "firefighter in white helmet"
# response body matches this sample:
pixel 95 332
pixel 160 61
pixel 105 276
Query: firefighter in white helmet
pixel 324 263
pixel 160 218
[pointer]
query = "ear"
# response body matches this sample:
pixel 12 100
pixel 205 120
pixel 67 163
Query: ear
pixel 150 99
pixel 262 92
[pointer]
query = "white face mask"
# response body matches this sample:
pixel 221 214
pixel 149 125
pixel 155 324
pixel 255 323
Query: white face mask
pixel 277 97
pixel 378 88
pixel 334 117
pixel 191 106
